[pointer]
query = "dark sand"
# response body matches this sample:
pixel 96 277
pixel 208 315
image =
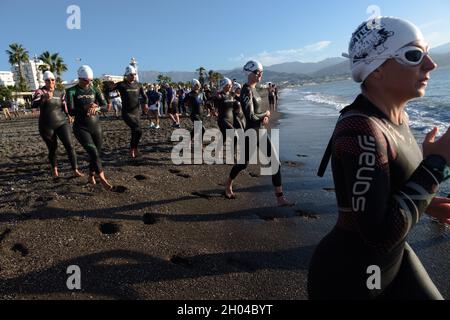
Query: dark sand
pixel 177 237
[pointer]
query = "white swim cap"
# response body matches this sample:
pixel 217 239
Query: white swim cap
pixel 236 86
pixel 48 75
pixel 253 66
pixel 375 41
pixel 195 82
pixel 223 83
pixel 130 70
pixel 85 72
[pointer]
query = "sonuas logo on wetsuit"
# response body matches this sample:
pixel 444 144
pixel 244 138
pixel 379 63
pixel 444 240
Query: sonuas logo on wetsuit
pixel 367 161
pixel 86 96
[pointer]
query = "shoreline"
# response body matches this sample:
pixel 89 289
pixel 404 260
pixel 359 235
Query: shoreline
pixel 171 235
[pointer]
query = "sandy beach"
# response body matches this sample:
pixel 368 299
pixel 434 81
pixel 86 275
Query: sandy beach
pixel 171 234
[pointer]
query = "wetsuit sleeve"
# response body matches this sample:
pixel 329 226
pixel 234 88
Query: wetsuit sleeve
pixel 70 101
pixel 249 108
pixel 37 98
pixel 99 98
pixel 383 216
pixel 65 109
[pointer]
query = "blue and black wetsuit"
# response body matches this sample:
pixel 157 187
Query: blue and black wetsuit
pixel 383 186
pixel 254 116
pixel 53 124
pixel 132 95
pixel 87 128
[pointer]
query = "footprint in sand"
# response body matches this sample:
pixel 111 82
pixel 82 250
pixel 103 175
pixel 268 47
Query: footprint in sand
pixel 119 189
pixel 109 228
pixel 140 177
pixel 20 248
pixel 254 175
pixel 4 234
pixel 149 219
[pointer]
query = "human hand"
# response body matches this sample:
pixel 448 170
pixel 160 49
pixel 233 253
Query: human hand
pixel 440 210
pixel 440 147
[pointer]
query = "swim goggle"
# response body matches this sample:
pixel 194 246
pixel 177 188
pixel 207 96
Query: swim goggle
pixel 410 55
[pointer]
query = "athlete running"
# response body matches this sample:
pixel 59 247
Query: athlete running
pixel 225 104
pixel 383 184
pixel 84 103
pixel 196 101
pixel 53 123
pixel 255 118
pixel 132 94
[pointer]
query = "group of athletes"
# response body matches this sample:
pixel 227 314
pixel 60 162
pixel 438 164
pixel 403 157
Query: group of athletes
pixel 384 182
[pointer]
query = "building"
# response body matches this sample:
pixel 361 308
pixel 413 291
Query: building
pixel 108 77
pixel 30 70
pixel 6 79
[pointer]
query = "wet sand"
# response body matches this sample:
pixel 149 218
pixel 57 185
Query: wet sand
pixel 171 234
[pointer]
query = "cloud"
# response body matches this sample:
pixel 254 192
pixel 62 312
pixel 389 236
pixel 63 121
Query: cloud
pixel 308 52
pixel 432 34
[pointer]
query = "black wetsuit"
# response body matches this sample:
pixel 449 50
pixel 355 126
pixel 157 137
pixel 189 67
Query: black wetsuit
pixel 53 124
pixel 254 116
pixel 196 102
pixel 225 105
pixel 132 95
pixel 86 128
pixel 382 188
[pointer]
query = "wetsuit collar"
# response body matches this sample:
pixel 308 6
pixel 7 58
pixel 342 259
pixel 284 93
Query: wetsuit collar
pixel 364 104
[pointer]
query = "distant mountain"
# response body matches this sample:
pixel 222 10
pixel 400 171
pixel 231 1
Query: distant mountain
pixel 269 76
pixel 337 70
pixel 441 49
pixel 176 76
pixel 304 68
pixel 443 60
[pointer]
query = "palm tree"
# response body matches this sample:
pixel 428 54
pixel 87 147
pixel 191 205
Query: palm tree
pixel 17 55
pixel 55 64
pixel 49 59
pixel 60 68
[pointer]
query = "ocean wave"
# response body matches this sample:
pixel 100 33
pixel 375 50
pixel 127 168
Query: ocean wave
pixel 319 98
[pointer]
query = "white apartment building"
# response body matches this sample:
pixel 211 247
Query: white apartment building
pixel 108 77
pixel 32 75
pixel 6 78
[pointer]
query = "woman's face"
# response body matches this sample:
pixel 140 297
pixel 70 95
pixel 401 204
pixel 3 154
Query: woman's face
pixel 227 88
pixel 255 77
pixel 405 81
pixel 50 84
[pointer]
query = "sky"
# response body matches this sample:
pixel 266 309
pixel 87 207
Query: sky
pixel 175 35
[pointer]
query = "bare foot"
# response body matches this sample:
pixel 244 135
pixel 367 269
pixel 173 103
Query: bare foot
pixel 92 180
pixel 105 182
pixel 77 174
pixel 283 202
pixel 229 194
pixel 55 173
pixel 133 153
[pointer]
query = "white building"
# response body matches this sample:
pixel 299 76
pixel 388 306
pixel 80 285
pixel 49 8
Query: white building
pixel 31 73
pixel 108 77
pixel 6 79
